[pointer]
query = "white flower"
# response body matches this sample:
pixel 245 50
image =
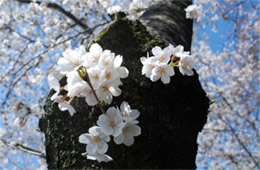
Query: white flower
pixel 186 65
pixel 95 76
pixel 96 141
pixel 128 131
pixel 106 59
pixel 71 59
pixel 194 12
pixel 99 157
pixel 109 74
pixel 75 85
pixel 162 56
pixel 109 89
pixel 111 122
pixel 129 114
pixel 163 71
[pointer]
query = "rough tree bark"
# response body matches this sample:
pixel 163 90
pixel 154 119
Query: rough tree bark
pixel 171 115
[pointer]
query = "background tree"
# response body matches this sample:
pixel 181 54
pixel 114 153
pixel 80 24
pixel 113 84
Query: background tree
pixel 34 34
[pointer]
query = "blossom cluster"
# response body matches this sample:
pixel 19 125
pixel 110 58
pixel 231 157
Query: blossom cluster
pixel 94 75
pixel 119 123
pixel 161 64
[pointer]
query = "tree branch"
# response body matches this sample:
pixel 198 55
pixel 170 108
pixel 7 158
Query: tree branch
pixel 57 7
pixel 23 148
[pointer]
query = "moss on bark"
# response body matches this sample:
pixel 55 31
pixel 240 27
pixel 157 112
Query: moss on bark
pixel 171 115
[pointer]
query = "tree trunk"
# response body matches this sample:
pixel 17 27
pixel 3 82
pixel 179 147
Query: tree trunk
pixel 171 115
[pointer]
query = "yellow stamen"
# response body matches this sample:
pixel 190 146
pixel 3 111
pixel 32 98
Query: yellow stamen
pixel 96 139
pixel 112 124
pixel 161 71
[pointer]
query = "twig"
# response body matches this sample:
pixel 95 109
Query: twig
pixel 23 148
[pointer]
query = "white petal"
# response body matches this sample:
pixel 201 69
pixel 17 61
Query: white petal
pixel 119 139
pixel 123 72
pixel 155 77
pixel 118 61
pixel 118 129
pixel 134 114
pixel 93 130
pixel 95 49
pixel 157 51
pixel 91 157
pixel 65 106
pixel 85 138
pixel 165 79
pixel 105 158
pixel 134 130
pixel 115 91
pixel 91 100
pixel 129 140
pixel 91 148
pixel 102 147
pixel 143 60
pixel 111 112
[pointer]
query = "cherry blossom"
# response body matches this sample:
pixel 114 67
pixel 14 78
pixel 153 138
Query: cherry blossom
pixel 111 122
pixel 71 59
pixel 95 140
pixel 162 71
pixel 128 131
pixel 186 65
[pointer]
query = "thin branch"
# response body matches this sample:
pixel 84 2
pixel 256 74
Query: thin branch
pixel 57 7
pixel 241 143
pixel 23 148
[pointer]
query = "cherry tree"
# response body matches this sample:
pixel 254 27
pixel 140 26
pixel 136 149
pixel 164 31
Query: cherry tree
pixel 34 35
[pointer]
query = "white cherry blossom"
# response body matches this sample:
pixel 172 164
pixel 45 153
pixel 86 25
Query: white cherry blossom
pixel 75 85
pixel 128 132
pixel 71 59
pixel 162 55
pixel 186 65
pixel 95 140
pixel 106 59
pixel 109 89
pixel 162 71
pixel 111 122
